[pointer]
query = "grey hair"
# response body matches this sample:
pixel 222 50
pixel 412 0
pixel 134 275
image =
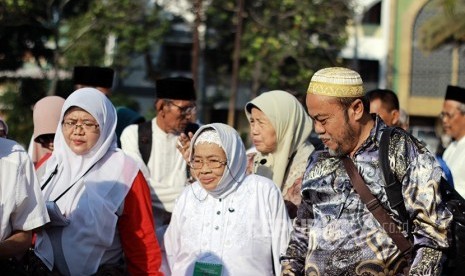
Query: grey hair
pixel 461 108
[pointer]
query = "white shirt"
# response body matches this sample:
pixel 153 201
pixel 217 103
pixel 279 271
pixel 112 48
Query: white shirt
pixel 454 156
pixel 166 168
pixel 23 207
pixel 245 232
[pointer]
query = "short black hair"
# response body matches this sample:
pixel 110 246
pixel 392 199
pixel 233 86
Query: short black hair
pixel 386 96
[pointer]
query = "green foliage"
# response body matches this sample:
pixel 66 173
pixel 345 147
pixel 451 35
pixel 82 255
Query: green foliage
pixel 136 27
pixel 17 103
pixel 26 27
pixel 119 99
pixel 283 42
pixel 64 33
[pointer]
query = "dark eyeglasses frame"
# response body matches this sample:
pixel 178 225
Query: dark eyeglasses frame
pixel 185 110
pixel 208 163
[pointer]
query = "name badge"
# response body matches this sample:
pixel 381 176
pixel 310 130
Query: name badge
pixel 207 269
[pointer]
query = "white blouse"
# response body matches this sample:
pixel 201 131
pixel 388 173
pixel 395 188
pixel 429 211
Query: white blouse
pixel 245 232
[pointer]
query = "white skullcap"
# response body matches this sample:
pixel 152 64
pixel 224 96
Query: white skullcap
pixel 208 136
pixel 336 82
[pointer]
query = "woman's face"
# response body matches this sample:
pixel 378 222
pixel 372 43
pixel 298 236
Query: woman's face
pixel 80 129
pixel 262 132
pixel 208 164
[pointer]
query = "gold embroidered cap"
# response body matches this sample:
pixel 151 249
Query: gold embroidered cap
pixel 336 82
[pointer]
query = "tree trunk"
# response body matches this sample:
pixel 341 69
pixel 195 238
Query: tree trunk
pixel 235 69
pixel 257 72
pixel 56 57
pixel 196 42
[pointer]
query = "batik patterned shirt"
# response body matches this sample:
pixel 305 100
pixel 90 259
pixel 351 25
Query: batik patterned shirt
pixel 334 232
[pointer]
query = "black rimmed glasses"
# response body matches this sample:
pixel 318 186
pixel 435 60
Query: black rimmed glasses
pixel 85 125
pixel 447 115
pixel 211 163
pixel 185 110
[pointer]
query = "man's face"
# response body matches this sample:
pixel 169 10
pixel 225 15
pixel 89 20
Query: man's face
pixel 174 115
pixel 391 118
pixel 331 123
pixel 453 121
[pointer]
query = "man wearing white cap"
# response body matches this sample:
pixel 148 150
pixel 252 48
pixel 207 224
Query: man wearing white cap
pixel 335 233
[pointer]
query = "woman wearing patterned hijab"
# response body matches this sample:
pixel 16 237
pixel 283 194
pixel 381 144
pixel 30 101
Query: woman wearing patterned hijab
pixel 280 129
pixel 97 198
pixel 227 222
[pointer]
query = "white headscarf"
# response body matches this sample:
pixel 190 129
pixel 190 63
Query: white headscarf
pixel 236 158
pixel 292 126
pixel 103 111
pixel 103 177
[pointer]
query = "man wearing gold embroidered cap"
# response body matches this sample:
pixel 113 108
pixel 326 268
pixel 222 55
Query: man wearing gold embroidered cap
pixel 334 232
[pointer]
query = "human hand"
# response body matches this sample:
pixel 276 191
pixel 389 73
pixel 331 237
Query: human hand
pixel 184 142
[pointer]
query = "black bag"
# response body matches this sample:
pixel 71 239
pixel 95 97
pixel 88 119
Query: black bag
pixel 13 267
pixel 455 263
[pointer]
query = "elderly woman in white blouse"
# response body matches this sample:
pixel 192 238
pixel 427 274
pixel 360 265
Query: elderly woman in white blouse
pixel 227 222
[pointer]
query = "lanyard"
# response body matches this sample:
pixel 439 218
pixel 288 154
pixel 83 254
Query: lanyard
pixel 65 191
pixel 49 178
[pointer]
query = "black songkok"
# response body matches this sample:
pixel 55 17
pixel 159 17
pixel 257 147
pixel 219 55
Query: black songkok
pixel 178 88
pixel 455 93
pixel 93 76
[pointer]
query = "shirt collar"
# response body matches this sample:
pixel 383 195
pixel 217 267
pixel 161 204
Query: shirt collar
pixel 372 142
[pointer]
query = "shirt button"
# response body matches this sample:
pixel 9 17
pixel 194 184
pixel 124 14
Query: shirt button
pixel 217 227
pixel 219 212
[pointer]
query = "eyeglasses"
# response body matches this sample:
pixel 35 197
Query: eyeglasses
pixel 447 115
pixel 211 163
pixel 87 126
pixel 185 110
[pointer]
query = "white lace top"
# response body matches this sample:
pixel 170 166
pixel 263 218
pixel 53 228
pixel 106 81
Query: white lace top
pixel 246 231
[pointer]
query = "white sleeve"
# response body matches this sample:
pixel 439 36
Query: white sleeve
pixel 30 211
pixel 130 141
pixel 172 236
pixel 281 227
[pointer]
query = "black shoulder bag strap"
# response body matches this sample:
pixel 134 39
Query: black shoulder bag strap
pixel 145 140
pixel 375 207
pixel 393 186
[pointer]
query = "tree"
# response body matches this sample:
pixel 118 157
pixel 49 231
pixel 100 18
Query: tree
pixel 59 34
pixel 136 25
pixel 446 27
pixel 28 27
pixel 283 42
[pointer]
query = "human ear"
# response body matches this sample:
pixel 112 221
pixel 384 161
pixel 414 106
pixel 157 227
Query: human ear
pixel 395 117
pixel 357 109
pixel 159 104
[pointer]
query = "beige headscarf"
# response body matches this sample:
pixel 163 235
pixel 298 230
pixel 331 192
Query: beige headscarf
pixel 46 118
pixel 293 127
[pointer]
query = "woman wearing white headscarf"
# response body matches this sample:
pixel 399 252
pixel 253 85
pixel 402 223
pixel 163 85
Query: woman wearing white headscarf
pixel 280 129
pixel 97 198
pixel 226 222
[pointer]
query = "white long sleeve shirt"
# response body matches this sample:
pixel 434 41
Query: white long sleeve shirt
pixel 166 169
pixel 455 160
pixel 245 232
